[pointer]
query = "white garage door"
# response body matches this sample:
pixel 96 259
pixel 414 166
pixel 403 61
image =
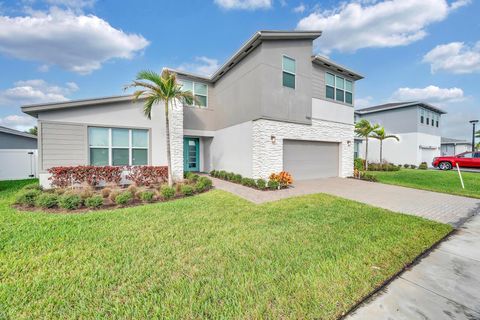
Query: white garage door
pixel 310 159
pixel 18 164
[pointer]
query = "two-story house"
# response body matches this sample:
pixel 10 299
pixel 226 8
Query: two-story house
pixel 272 106
pixel 416 124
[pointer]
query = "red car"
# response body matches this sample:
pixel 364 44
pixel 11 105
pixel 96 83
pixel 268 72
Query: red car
pixel 466 159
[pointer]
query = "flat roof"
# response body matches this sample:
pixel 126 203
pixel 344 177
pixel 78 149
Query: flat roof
pixel 445 140
pixel 17 133
pixel 335 67
pixel 398 105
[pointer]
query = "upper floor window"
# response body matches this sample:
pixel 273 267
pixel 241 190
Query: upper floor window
pixel 288 72
pixel 338 88
pixel 117 146
pixel 429 118
pixel 199 91
pixel 422 115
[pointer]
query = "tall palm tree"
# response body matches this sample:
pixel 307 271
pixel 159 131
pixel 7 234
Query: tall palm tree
pixel 380 135
pixel 155 89
pixel 364 129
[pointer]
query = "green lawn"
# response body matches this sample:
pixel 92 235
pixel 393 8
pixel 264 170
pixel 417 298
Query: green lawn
pixel 210 256
pixel 433 180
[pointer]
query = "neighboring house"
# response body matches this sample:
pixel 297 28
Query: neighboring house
pixel 18 154
pixel 272 106
pixel 416 124
pixel 451 147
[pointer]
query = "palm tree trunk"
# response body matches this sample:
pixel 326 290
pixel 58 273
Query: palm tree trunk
pixel 381 150
pixel 366 153
pixel 169 154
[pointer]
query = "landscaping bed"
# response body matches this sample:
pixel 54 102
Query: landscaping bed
pixel 276 181
pixel 212 256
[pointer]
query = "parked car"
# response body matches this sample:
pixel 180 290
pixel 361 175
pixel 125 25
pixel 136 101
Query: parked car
pixel 465 159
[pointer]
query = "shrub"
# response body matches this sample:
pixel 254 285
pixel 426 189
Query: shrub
pixel 213 173
pixel 412 166
pixel 237 178
pixel 86 192
pixel 70 201
pixel 147 175
pixel 261 184
pixel 94 201
pixel 60 191
pixel 124 198
pixel 273 184
pixel 105 192
pixel 222 174
pixel 368 177
pixel 32 186
pixel 188 175
pixel 147 196
pixel 187 190
pixel 195 177
pixel 249 182
pixel 27 197
pixel 406 166
pixel 47 200
pixel 283 178
pixel 201 186
pixel 423 166
pixel 167 192
pixel 359 164
pixel 92 175
pixel 383 167
pixel 133 189
pixel 113 195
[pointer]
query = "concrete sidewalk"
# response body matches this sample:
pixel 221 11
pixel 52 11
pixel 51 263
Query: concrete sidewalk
pixel 440 207
pixel 443 285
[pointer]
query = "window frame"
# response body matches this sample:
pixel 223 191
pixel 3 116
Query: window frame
pixel 345 91
pixel 110 146
pixel 194 93
pixel 294 74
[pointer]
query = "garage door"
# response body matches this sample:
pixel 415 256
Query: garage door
pixel 310 159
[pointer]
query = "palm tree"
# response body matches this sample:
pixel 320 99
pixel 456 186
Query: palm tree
pixel 155 89
pixel 380 135
pixel 33 130
pixel 364 129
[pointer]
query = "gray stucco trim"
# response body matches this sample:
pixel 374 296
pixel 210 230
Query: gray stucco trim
pixel 198 133
pixel 399 106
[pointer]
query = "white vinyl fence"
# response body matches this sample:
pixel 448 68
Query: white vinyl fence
pixel 18 164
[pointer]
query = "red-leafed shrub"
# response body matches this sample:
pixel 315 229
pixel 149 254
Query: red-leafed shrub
pixel 67 176
pixel 148 175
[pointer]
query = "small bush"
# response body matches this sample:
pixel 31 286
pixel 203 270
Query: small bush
pixel 359 164
pixel 167 192
pixel 208 182
pixel 412 166
pixel 32 186
pixel 94 202
pixel 47 200
pixel 86 192
pixel 188 175
pixel 249 182
pixel 60 191
pixel 273 184
pixel 423 166
pixel 237 178
pixel 27 197
pixel 406 166
pixel 113 195
pixel 124 198
pixel 283 178
pixel 222 174
pixel 133 189
pixel 383 167
pixel 147 196
pixel 261 184
pixel 70 201
pixel 213 173
pixel 195 177
pixel 368 177
pixel 187 190
pixel 105 192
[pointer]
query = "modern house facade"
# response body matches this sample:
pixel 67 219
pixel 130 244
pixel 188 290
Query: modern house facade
pixel 272 106
pixel 451 147
pixel 18 154
pixel 416 124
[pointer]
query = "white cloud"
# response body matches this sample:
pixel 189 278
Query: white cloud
pixel 431 94
pixel 377 24
pixel 35 91
pixel 244 4
pixel 363 102
pixel 454 57
pixel 18 122
pixel 300 8
pixel 75 42
pixel 203 66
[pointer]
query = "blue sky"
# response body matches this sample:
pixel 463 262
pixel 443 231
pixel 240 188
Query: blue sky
pixel 54 50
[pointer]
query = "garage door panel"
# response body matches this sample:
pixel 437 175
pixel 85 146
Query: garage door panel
pixel 310 159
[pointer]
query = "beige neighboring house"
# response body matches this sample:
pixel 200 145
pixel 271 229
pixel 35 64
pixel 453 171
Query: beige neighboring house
pixel 272 106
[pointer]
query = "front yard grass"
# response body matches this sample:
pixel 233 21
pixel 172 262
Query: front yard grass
pixel 209 256
pixel 433 180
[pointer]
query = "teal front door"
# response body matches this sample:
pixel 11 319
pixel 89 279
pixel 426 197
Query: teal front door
pixel 191 147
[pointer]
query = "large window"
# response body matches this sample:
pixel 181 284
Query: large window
pixel 429 118
pixel 288 72
pixel 117 146
pixel 338 88
pixel 199 91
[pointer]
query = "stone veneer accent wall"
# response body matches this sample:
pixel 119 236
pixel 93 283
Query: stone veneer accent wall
pixel 176 140
pixel 268 157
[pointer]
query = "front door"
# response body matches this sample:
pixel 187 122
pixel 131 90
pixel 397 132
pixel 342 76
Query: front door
pixel 191 154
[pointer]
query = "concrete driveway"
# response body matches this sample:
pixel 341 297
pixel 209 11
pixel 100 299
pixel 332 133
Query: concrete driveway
pixel 431 205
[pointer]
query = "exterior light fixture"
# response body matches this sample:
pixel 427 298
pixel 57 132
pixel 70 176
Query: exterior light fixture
pixel 274 139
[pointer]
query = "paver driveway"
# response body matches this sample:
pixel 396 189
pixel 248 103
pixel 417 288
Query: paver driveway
pixel 431 205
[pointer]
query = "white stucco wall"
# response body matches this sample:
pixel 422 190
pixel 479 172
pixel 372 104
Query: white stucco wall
pixel 331 111
pixel 268 156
